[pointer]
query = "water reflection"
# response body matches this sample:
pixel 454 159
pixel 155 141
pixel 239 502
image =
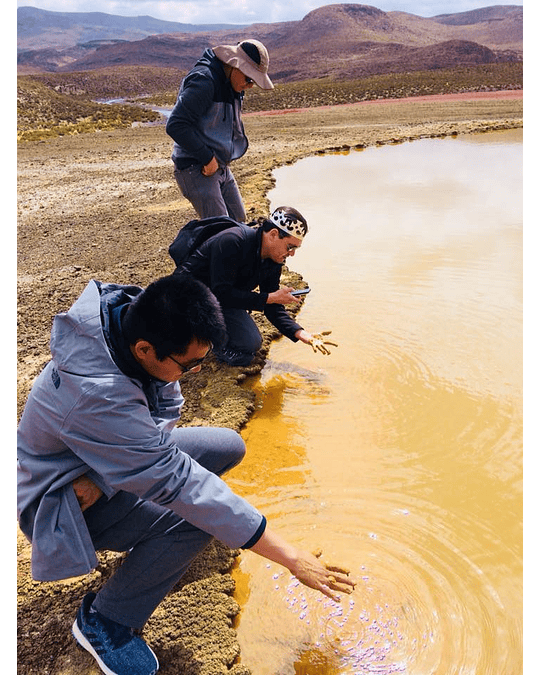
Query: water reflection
pixel 399 454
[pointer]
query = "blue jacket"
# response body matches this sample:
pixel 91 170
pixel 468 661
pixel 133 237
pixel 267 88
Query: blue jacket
pixel 85 415
pixel 230 264
pixel 206 119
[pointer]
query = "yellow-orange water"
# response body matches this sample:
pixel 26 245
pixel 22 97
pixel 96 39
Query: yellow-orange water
pixel 400 454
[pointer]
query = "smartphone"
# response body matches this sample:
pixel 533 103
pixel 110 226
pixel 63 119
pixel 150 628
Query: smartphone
pixel 301 291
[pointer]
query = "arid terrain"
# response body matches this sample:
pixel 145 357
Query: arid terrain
pixel 105 205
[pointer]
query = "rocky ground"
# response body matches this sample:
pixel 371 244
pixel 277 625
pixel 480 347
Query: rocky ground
pixel 106 206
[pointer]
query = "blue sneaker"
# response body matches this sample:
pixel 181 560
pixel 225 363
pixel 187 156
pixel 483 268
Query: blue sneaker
pixel 116 648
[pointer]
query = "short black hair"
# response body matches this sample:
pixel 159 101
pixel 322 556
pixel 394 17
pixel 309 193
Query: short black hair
pixel 173 311
pixel 268 225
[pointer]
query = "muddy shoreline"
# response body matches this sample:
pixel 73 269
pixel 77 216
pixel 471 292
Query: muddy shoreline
pixel 106 206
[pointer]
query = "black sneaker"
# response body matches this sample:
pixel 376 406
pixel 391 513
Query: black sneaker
pixel 114 646
pixel 232 357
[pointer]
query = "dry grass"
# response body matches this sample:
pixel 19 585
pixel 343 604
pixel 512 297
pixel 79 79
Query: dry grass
pixel 43 112
pixel 56 104
pixel 310 93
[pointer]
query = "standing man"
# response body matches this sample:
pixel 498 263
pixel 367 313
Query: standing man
pixel 240 259
pixel 102 465
pixel 207 129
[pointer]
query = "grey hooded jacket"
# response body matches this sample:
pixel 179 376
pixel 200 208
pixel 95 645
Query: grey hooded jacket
pixel 206 119
pixel 86 416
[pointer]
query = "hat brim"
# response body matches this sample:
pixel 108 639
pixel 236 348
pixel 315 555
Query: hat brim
pixel 235 56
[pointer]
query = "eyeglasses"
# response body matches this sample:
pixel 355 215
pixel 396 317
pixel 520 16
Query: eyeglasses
pixel 194 364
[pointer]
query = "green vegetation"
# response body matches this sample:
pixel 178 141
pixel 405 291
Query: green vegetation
pixel 52 104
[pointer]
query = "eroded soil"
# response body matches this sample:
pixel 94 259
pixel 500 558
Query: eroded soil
pixel 106 206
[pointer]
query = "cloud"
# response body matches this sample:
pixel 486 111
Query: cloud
pixel 205 11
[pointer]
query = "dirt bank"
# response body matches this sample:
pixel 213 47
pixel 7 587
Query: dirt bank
pixel 106 206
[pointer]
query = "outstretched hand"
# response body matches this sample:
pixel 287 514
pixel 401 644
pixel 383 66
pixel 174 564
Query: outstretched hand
pixel 306 567
pixel 326 578
pixel 320 344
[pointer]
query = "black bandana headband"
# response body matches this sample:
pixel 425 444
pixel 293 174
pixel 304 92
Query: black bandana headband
pixel 289 223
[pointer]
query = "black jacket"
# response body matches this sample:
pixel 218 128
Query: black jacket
pixel 230 264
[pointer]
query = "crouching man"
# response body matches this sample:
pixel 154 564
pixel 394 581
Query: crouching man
pixel 242 265
pixel 102 465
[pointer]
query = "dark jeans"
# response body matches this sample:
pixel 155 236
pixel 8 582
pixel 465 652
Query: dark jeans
pixel 244 338
pixel 161 545
pixel 216 195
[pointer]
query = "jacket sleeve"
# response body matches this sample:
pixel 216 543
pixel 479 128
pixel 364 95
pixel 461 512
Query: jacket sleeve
pixel 277 314
pixel 120 441
pixel 195 97
pixel 226 255
pixel 169 403
pixel 281 319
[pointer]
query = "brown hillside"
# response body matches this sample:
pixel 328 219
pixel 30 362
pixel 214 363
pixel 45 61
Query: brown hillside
pixel 340 41
pixel 340 59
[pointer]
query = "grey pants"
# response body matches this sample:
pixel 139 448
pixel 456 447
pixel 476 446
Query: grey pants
pixel 161 545
pixel 216 195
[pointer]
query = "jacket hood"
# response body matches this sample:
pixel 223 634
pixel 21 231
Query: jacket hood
pixel 77 337
pixel 210 60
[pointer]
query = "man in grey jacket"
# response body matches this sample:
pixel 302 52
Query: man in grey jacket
pixel 207 128
pixel 102 465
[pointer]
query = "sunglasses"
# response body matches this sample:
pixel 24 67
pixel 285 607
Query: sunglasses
pixel 290 248
pixel 192 365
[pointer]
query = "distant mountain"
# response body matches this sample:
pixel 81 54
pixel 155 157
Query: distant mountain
pixel 489 14
pixel 339 41
pixel 41 29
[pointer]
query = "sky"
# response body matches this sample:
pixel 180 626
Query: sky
pixel 248 11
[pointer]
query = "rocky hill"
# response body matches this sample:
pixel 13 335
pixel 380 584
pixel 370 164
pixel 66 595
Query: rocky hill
pixel 340 41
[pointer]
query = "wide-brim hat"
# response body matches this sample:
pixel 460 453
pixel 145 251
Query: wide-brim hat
pixel 250 57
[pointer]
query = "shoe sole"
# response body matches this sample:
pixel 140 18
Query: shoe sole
pixel 83 642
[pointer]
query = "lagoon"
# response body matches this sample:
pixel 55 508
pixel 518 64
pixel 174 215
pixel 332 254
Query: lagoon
pixel 400 454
